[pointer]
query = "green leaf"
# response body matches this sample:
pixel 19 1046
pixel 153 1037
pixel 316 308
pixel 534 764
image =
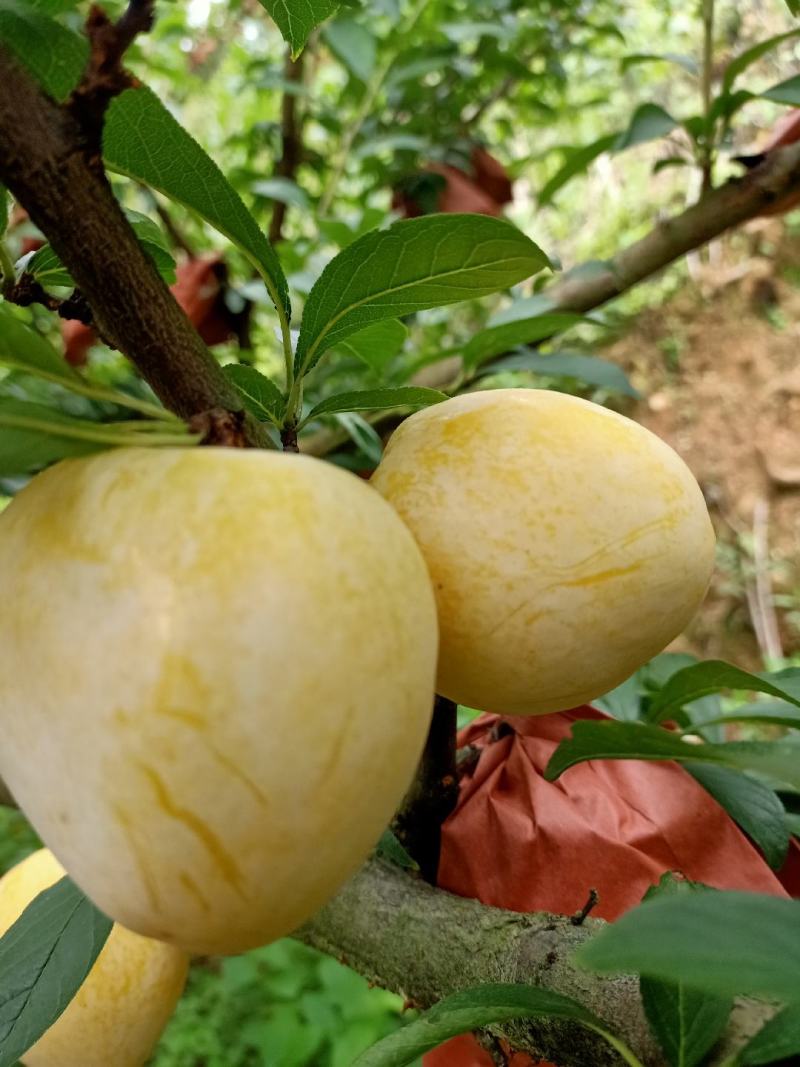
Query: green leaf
pixel 779 1039
pixel 649 122
pixel 417 263
pixel 631 740
pixel 722 942
pixel 591 370
pixel 376 345
pixel 53 54
pixel 686 1022
pixel 794 6
pixel 785 92
pixel 738 65
pixel 577 161
pixel 44 959
pixel 760 713
pixel 373 399
pixel 353 45
pixel 685 62
pixel 390 849
pixel 4 207
pixel 362 434
pixel 142 140
pixel 297 18
pixel 793 822
pixel 712 676
pixel 23 349
pixel 283 189
pixel 473 1008
pixel 503 335
pixel 45 266
pixel 24 450
pixel 260 395
pixel 755 807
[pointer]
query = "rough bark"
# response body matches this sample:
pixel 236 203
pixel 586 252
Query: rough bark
pixel 44 163
pixel 424 943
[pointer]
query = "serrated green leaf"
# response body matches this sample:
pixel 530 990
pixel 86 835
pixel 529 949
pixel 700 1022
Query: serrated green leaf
pixel 374 399
pixel 727 943
pixel 53 54
pixel 473 1008
pixel 577 162
pixel 686 1022
pixel 630 740
pixel 712 676
pixel 142 140
pixel 415 264
pixel 779 1039
pixel 377 345
pixel 591 370
pixel 44 959
pixel 649 122
pixel 297 18
pixel 261 396
pixel 753 806
pixel 738 65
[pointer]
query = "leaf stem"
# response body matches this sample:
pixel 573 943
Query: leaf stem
pixel 77 385
pixel 7 271
pixel 88 433
pixel 707 156
pixel 620 1047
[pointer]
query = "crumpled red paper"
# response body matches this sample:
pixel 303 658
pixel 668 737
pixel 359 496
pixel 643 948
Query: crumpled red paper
pixel 516 841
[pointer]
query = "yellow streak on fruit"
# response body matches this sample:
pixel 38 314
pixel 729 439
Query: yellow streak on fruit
pixel 219 668
pixel 118 1014
pixel 566 544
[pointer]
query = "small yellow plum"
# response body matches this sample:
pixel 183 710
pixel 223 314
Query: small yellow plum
pixel 567 545
pixel 217 676
pixel 119 1012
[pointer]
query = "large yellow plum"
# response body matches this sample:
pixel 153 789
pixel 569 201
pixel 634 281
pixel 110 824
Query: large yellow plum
pixel 216 676
pixel 117 1015
pixel 566 544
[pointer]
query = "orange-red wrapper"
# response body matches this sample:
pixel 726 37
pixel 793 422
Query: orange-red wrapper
pixel 519 842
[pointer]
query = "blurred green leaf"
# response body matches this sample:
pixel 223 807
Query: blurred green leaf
pixel 686 1022
pixel 23 349
pixel 629 740
pixel 283 189
pixel 779 1039
pixel 376 345
pixel 712 676
pixel 694 940
pixel 635 58
pixel 649 122
pixel 577 161
pixel 353 45
pixel 374 399
pixel 591 370
pixel 363 435
pixel 390 849
pixel 418 263
pixel 740 64
pixel 785 92
pixel 502 335
pixel 44 959
pixel 753 806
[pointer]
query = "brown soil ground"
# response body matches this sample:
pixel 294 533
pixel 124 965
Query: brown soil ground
pixel 719 367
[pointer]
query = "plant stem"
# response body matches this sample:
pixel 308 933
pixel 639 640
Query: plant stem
pixel 7 272
pixel 707 157
pixel 371 92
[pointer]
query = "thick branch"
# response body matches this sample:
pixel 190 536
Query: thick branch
pixel 433 794
pixel 42 162
pixel 424 943
pixel 723 209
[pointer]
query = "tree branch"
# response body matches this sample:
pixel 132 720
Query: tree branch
pixel 722 209
pixel 291 140
pixel 433 794
pixel 44 162
pixel 424 943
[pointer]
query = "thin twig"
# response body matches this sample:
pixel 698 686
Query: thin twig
pixel 291 139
